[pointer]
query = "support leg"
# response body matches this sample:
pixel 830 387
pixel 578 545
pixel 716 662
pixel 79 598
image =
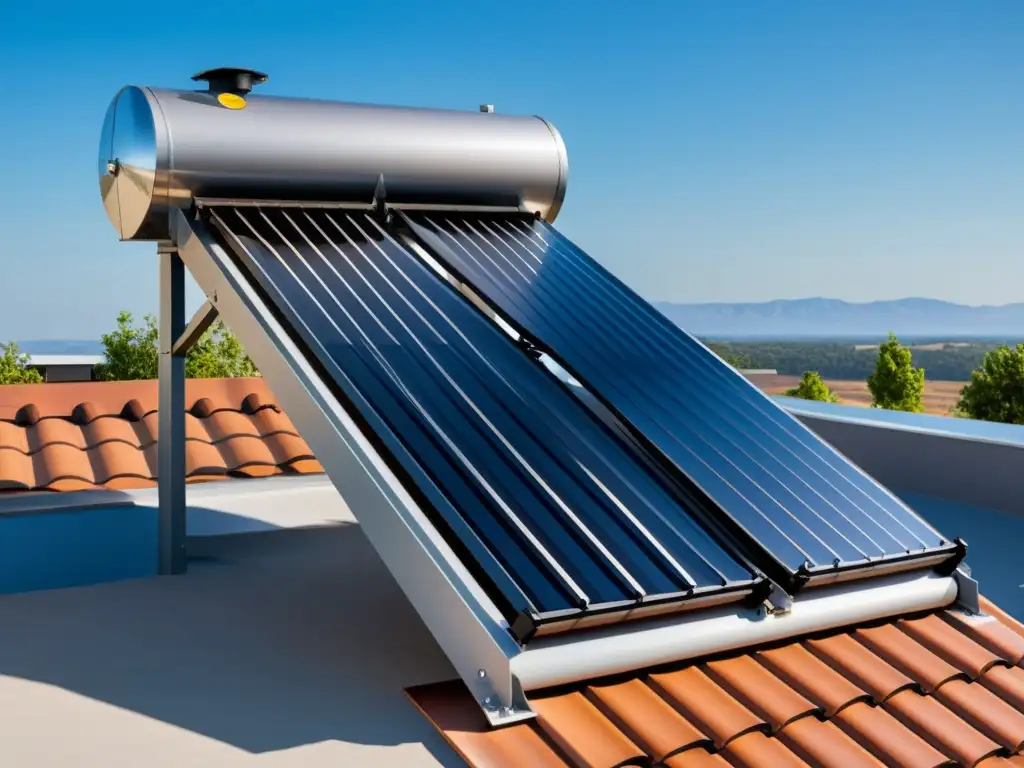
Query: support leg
pixel 171 445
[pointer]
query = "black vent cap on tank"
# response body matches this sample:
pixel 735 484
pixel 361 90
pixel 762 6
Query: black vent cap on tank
pixel 231 79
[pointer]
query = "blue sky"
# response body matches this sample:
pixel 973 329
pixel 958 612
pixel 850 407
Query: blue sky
pixel 719 151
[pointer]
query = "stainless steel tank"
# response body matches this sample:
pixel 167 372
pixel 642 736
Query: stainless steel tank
pixel 160 149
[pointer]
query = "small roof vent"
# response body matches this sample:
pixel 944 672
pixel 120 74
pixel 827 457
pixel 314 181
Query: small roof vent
pixel 231 79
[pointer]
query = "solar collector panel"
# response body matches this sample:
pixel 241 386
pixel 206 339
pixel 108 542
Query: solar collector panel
pixel 554 505
pixel 436 480
pixel 791 493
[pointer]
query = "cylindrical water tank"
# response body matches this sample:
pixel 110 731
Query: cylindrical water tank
pixel 160 149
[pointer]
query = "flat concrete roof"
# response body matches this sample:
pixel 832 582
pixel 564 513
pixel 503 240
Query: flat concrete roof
pixel 285 648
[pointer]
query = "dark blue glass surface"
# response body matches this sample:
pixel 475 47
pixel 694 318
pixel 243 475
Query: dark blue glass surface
pixel 553 510
pixel 801 501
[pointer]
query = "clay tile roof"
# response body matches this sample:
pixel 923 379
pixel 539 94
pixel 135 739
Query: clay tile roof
pixel 943 689
pixel 63 437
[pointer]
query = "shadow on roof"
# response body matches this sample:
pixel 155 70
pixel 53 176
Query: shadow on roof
pixel 272 641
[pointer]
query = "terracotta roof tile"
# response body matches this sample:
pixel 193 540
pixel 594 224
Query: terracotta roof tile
pixel 13 437
pixel 64 437
pixel 900 650
pixel 860 665
pixel 822 743
pixel 953 646
pixel 646 718
pixel 756 750
pixel 989 632
pixel 887 738
pixel 586 736
pixel 907 693
pixel 696 758
pixel 1007 683
pixel 941 727
pixel 16 472
pixel 806 673
pixel 986 712
pixel 762 692
pixel 1002 616
pixel 106 429
pixel 706 704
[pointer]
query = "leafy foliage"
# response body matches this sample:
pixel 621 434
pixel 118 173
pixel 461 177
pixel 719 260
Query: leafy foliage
pixel 850 360
pixel 736 360
pixel 132 352
pixel 895 384
pixel 14 366
pixel 996 389
pixel 811 387
pixel 218 355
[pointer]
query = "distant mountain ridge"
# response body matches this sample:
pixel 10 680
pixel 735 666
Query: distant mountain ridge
pixel 61 347
pixel 781 318
pixel 834 317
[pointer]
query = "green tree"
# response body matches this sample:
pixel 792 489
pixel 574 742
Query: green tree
pixel 132 352
pixel 896 385
pixel 14 366
pixel 736 360
pixel 218 355
pixel 996 389
pixel 811 387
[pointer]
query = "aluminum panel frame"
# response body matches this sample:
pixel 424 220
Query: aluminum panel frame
pixel 461 617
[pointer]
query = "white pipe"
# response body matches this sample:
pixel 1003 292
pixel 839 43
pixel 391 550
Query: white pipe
pixel 620 648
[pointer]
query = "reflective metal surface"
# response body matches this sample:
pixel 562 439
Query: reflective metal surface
pixel 106 170
pixel 806 511
pixel 162 148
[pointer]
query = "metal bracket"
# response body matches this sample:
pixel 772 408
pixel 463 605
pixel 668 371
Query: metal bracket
pixel 197 326
pixel 529 348
pixel 380 206
pixel 779 601
pixel 968 595
pixel 497 713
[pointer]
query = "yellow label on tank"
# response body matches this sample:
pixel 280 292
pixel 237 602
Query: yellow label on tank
pixel 231 100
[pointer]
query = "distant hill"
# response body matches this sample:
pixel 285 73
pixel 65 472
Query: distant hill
pixel 791 318
pixel 779 319
pixel 61 347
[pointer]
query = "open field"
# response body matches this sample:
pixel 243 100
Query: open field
pixel 937 346
pixel 939 396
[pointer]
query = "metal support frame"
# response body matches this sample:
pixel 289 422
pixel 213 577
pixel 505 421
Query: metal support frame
pixel 197 326
pixel 968 594
pixel 171 440
pixel 175 341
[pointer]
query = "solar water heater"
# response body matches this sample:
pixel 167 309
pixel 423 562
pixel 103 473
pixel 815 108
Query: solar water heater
pixel 562 482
